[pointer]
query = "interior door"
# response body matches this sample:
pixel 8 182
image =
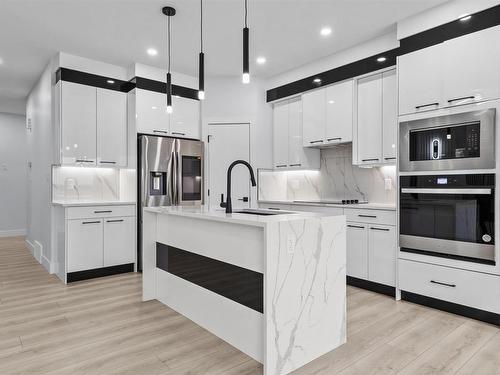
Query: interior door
pixel 227 143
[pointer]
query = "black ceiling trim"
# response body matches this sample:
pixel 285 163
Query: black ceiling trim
pixel 478 21
pixel 158 86
pixel 76 76
pixel 354 69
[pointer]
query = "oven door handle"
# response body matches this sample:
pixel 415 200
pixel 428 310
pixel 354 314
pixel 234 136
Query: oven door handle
pixel 445 191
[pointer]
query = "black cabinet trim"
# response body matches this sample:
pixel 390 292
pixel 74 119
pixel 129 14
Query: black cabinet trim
pixel 99 272
pixel 94 80
pixel 478 21
pixel 238 284
pixel 469 312
pixel 370 285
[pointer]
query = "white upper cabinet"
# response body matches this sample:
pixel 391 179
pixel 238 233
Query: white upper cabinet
pixel 151 115
pixel 369 120
pixel 472 67
pixel 458 71
pixel 389 115
pixel 314 117
pixel 78 123
pixel 339 106
pixel 111 128
pixel 420 80
pixel 185 118
pixel 288 149
pixel 280 135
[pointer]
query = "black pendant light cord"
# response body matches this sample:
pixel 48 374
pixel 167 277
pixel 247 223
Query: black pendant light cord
pixel 169 31
pixel 246 13
pixel 201 25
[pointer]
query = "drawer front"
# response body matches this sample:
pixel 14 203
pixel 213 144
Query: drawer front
pixel 99 211
pixel 371 216
pixel 473 289
pixel 334 211
pixel 276 206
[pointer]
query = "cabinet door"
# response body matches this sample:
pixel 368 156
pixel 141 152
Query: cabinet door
pixel 339 112
pixel 298 156
pixel 369 126
pixel 280 135
pixel 357 250
pixel 313 117
pixel 471 67
pixel 151 112
pixel 420 80
pixel 185 118
pixel 111 128
pixel 382 254
pixel 119 241
pixel 389 115
pixel 85 244
pixel 78 123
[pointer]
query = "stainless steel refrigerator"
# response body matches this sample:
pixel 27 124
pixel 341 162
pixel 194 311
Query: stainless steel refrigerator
pixel 170 173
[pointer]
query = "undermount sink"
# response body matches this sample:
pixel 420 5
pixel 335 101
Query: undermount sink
pixel 249 211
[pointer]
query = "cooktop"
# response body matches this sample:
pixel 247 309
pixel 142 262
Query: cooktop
pixel 343 201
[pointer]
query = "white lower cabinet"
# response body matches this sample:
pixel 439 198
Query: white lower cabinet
pixel 357 250
pixel 118 241
pixel 382 254
pixel 99 236
pixel 85 245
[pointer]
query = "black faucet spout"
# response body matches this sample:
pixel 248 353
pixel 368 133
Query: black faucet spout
pixel 228 203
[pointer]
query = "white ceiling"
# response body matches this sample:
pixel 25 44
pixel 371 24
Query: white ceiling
pixel 286 32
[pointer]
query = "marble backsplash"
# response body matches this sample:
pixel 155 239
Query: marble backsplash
pixel 85 184
pixel 336 179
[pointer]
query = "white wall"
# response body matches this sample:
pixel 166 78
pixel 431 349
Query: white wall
pixel 14 106
pixel 13 175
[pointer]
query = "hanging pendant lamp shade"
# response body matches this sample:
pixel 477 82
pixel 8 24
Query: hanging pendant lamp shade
pixel 169 12
pixel 201 61
pixel 246 54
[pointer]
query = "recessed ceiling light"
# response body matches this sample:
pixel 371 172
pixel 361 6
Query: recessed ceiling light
pixel 381 59
pixel 152 52
pixel 465 17
pixel 261 60
pixel 331 101
pixel 317 81
pixel 325 31
pixel 110 81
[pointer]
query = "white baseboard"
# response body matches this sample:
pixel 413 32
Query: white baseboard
pixel 46 264
pixel 13 233
pixel 31 246
pixel 37 253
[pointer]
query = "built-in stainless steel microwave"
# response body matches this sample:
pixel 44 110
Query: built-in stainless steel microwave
pixel 455 142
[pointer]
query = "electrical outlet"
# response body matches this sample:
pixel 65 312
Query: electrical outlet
pixel 290 245
pixel 388 184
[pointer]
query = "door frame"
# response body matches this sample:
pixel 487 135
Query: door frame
pixel 222 123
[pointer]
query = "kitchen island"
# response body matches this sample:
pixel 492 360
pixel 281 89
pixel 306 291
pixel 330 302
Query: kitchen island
pixel 272 285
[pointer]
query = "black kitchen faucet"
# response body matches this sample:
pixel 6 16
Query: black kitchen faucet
pixel 228 205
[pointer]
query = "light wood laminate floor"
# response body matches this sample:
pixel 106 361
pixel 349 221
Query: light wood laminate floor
pixel 102 327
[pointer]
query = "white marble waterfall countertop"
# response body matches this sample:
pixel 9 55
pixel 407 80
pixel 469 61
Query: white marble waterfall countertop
pixel 369 206
pixel 78 203
pixel 205 213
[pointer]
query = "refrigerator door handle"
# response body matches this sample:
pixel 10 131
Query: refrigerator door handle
pixel 145 171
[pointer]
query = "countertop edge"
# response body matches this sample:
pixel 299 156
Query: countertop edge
pixel 91 204
pixel 368 206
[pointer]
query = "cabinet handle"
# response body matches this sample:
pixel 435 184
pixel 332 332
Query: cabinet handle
pixel 334 139
pixel 383 229
pixel 462 98
pixel 160 131
pixel 91 222
pixel 355 226
pixel 312 142
pixel 177 133
pixel 392 158
pixel 281 166
pixel 426 105
pixel 114 221
pixel 84 161
pixel 103 212
pixel 370 159
pixel 295 165
pixel 107 162
pixel 370 216
pixel 445 284
pixel 274 208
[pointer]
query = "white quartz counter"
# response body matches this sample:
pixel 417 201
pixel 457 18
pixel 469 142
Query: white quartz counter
pixel 84 203
pixel 369 206
pixel 204 213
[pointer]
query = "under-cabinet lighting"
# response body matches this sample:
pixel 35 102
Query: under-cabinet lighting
pixel 382 59
pixel 110 81
pixel 465 17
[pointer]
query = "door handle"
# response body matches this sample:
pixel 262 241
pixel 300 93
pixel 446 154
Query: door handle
pixel 382 229
pixel 107 162
pixel 462 98
pixel 318 141
pixel 114 221
pixel 355 226
pixel 295 165
pixel 84 161
pixel 282 166
pixel 369 216
pixel 177 133
pixel 370 159
pixel 426 105
pixel 103 212
pixel 391 158
pixel 444 284
pixel 160 131
pixel 91 222
pixel 334 139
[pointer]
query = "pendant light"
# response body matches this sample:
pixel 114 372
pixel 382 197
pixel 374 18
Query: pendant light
pixel 246 57
pixel 169 12
pixel 201 66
